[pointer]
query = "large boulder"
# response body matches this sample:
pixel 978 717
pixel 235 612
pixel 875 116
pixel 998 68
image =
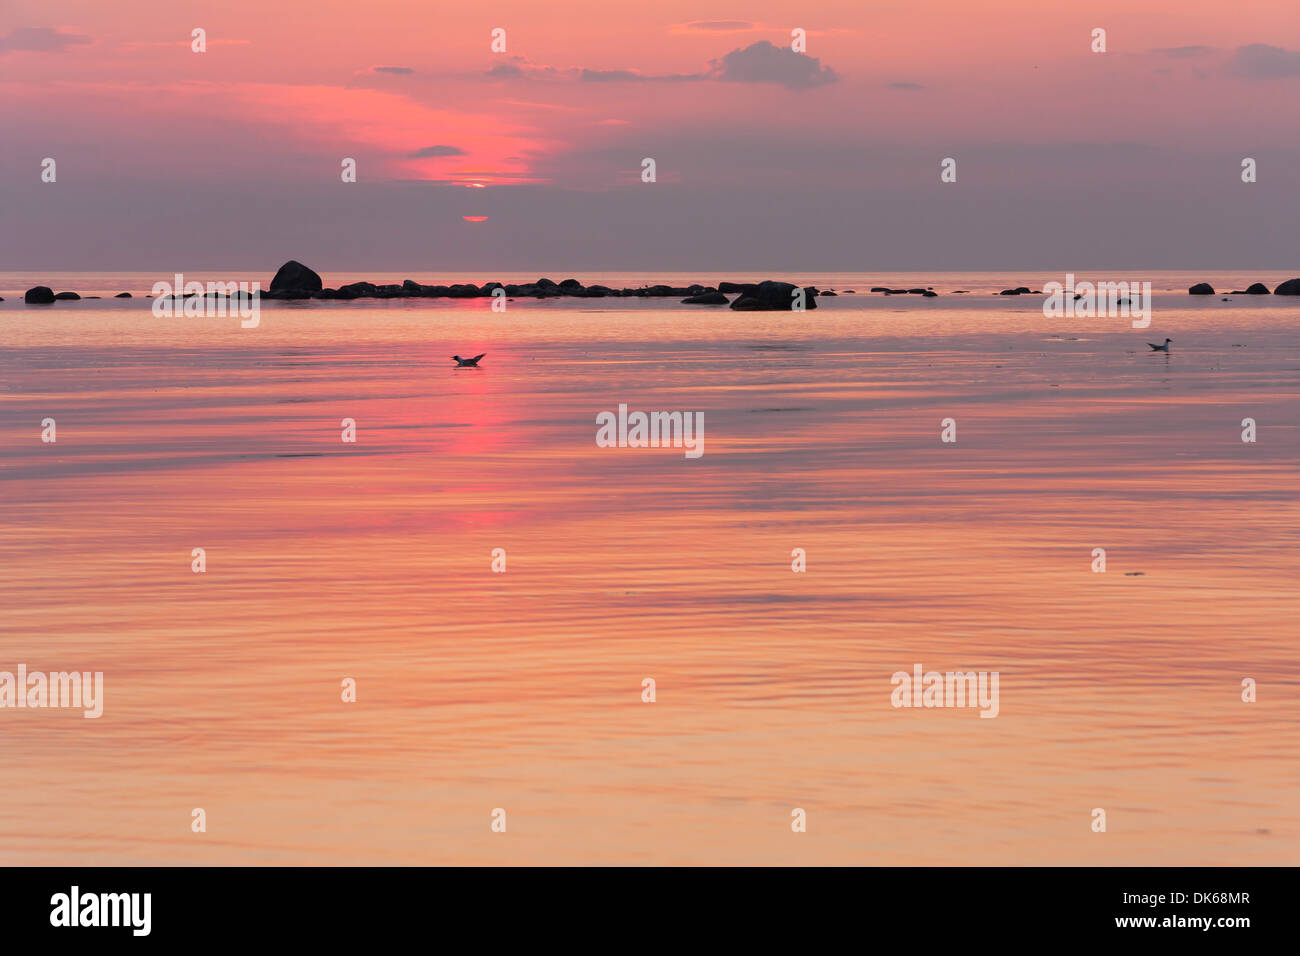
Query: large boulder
pixel 293 276
pixel 773 297
pixel 1289 287
pixel 1201 288
pixel 40 295
pixel 1257 289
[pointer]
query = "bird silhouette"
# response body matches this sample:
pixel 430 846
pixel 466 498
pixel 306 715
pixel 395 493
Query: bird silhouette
pixel 468 362
pixel 1160 348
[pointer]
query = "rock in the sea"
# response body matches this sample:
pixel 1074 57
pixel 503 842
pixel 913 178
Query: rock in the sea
pixel 706 298
pixel 122 295
pixel 1201 288
pixel 930 294
pixel 40 295
pixel 293 276
pixel 357 290
pixel 1257 288
pixel 67 295
pixel 828 292
pixel 1289 287
pixel 773 297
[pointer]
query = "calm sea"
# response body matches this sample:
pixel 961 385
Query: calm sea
pixel 372 560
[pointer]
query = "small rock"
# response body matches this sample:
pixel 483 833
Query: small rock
pixel 67 295
pixel 39 295
pixel 1201 288
pixel 706 298
pixel 122 295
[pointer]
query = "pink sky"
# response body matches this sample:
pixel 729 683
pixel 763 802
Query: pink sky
pixel 149 135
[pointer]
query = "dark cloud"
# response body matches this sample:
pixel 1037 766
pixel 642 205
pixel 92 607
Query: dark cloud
pixel 395 70
pixel 518 66
pixel 1182 52
pixel 431 151
pixel 631 76
pixel 611 76
pixel 40 40
pixel 762 62
pixel 758 63
pixel 724 26
pixel 1262 60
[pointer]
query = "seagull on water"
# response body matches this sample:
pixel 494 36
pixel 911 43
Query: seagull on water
pixel 469 362
pixel 1154 348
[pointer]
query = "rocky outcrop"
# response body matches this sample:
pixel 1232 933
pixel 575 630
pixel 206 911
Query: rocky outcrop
pixel 1201 288
pixel 1289 287
pixel 1257 288
pixel 294 280
pixel 70 296
pixel 773 297
pixel 706 298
